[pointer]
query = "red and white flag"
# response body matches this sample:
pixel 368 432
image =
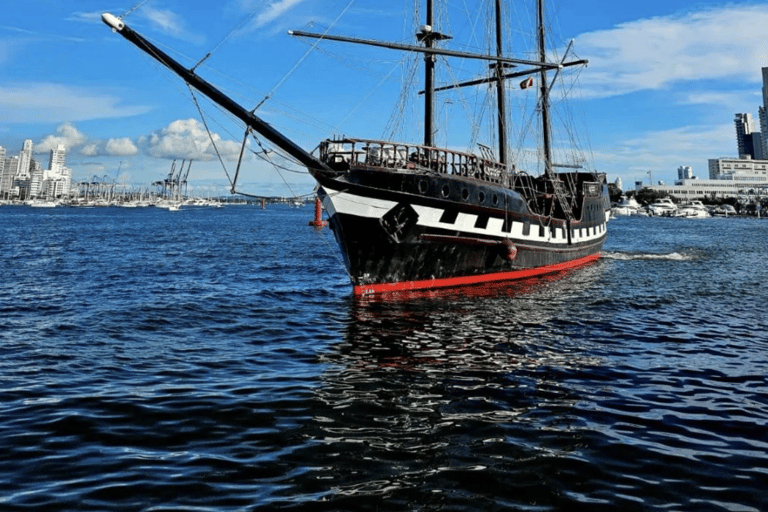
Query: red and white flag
pixel 528 82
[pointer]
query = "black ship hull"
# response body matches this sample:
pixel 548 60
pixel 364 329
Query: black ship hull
pixel 400 229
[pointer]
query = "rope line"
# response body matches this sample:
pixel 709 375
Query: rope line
pixel 134 8
pixel 306 54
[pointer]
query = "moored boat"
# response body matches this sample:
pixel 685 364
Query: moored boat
pixel 662 207
pixel 692 210
pixel 418 216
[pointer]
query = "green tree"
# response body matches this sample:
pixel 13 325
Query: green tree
pixel 648 196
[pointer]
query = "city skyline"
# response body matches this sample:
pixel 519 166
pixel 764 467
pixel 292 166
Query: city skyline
pixel 661 90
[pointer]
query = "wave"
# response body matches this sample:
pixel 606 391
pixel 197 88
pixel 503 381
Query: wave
pixel 627 256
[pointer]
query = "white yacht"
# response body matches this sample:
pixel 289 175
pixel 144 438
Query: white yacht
pixel 626 207
pixel 663 206
pixel 692 210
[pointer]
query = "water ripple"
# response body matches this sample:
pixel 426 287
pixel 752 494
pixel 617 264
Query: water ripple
pixel 219 366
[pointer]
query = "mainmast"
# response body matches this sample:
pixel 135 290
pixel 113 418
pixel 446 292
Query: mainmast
pixel 544 92
pixel 428 37
pixel 500 96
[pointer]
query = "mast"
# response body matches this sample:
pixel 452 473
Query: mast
pixel 544 93
pixel 248 117
pixel 500 96
pixel 428 36
pixel 429 81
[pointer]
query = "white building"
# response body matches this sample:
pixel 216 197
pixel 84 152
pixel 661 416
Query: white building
pixel 57 179
pixel 25 160
pixel 685 172
pixel 2 169
pixel 728 177
pixel 35 179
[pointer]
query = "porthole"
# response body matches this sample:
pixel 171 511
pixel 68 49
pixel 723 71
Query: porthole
pixel 423 186
pixel 495 199
pixel 446 191
pixel 464 194
pixel 481 197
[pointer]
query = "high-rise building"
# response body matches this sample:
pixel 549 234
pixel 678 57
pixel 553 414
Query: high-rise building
pixel 685 172
pixel 25 161
pixel 2 169
pixel 7 181
pixel 57 178
pixel 35 179
pixel 745 127
pixel 58 155
pixel 762 113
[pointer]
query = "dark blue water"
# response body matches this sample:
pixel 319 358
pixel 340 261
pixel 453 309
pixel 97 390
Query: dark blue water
pixel 214 360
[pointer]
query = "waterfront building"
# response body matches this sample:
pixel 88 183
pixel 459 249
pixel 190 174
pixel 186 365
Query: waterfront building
pixel 728 177
pixel 35 179
pixel 2 170
pixel 9 177
pixel 725 168
pixel 58 156
pixel 25 161
pixel 57 179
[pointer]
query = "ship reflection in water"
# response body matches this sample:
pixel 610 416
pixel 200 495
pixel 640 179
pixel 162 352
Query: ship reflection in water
pixel 464 385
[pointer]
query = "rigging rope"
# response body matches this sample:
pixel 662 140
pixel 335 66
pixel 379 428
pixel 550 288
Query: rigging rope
pixel 306 54
pixel 134 8
pixel 210 135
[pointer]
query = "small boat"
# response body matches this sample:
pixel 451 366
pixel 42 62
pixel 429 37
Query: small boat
pixel 724 210
pixel 692 210
pixel 626 207
pixel 414 215
pixel 43 204
pixel 662 207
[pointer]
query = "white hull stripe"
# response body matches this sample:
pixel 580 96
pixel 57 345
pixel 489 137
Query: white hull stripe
pixel 350 204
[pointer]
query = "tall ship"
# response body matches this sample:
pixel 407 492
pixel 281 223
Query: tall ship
pixel 416 216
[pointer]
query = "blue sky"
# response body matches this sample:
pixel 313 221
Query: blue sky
pixel 664 81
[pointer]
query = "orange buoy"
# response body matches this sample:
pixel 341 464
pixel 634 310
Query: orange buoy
pixel 318 223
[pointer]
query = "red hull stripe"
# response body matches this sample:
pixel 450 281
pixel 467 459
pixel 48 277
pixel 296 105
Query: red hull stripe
pixel 368 289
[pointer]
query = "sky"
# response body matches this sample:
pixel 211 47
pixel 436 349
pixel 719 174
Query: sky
pixel 663 83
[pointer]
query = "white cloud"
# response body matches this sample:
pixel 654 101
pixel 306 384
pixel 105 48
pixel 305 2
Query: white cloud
pixel 67 135
pixel 170 23
pixel 188 139
pixel 55 103
pixel 722 42
pixel 719 98
pixel 90 150
pixel 274 10
pixel 120 147
pixel 275 14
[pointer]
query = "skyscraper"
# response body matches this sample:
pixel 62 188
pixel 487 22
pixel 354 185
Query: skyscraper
pixel 2 170
pixel 56 163
pixel 25 160
pixel 744 129
pixel 762 113
pixel 684 172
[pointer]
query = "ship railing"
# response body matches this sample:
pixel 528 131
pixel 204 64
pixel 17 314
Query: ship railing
pixel 376 154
